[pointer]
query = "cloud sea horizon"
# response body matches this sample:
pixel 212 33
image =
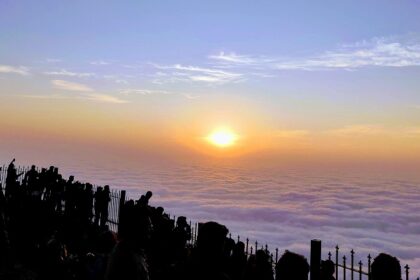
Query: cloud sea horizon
pixel 283 207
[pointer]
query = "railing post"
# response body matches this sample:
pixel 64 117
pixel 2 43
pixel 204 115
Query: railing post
pixel 407 268
pixel 336 261
pixel 352 264
pixel 315 259
pixel 196 233
pixel 191 233
pixel 360 270
pixel 120 208
pixel 369 264
pixel 246 248
pixel 344 268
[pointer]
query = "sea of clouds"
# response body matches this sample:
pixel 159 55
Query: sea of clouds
pixel 286 208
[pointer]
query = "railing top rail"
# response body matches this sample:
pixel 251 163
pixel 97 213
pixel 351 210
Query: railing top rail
pixel 354 269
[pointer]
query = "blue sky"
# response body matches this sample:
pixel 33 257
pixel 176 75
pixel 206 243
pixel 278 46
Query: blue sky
pixel 304 65
pixel 190 30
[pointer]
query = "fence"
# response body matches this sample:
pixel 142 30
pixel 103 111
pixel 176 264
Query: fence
pixel 117 197
pixel 353 270
pixel 343 270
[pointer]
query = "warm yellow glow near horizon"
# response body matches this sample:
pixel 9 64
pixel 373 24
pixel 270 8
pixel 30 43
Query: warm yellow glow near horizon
pixel 222 138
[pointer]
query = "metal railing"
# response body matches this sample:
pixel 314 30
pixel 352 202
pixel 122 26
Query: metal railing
pixel 351 269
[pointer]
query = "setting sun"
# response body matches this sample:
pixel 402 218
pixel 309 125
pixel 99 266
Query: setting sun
pixel 222 138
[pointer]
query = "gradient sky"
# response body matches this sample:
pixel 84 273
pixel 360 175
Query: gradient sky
pixel 294 79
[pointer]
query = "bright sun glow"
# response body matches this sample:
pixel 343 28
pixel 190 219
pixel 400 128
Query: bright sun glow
pixel 222 138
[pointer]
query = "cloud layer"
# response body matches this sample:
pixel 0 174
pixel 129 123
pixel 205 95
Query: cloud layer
pixel 369 212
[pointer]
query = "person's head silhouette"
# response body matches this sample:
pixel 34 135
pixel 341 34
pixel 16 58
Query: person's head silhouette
pixel 385 267
pixel 292 266
pixel 211 240
pixel 327 269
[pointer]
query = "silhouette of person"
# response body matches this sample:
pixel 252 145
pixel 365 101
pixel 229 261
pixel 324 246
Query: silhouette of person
pixel 69 197
pixel 11 179
pixel 292 266
pixel 264 268
pixel 128 259
pixel 104 205
pixel 385 267
pixel 327 270
pixel 147 197
pixel 237 262
pixel 87 203
pixel 207 262
pixel 31 178
pixel 181 234
pixel 98 204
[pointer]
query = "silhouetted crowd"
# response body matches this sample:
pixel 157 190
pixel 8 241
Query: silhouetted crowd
pixel 53 228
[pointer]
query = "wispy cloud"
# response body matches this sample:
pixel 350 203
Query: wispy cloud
pixel 378 52
pixel 118 79
pixel 70 86
pixel 366 130
pixel 100 62
pixel 90 96
pixel 105 98
pixel 232 59
pixel 413 131
pixel 20 70
pixel 64 72
pixel 190 96
pixel 359 130
pixel 187 73
pixel 143 91
pixel 84 92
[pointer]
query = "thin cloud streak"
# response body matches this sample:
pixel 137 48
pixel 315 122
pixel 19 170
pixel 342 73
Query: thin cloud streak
pixel 70 86
pixel 100 62
pixel 88 93
pixel 105 98
pixel 90 96
pixel 232 59
pixel 146 92
pixel 20 70
pixel 355 130
pixel 143 91
pixel 64 72
pixel 188 73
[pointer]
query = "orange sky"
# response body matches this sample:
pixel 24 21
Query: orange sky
pixel 157 129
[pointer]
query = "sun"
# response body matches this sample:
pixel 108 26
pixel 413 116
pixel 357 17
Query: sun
pixel 222 138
